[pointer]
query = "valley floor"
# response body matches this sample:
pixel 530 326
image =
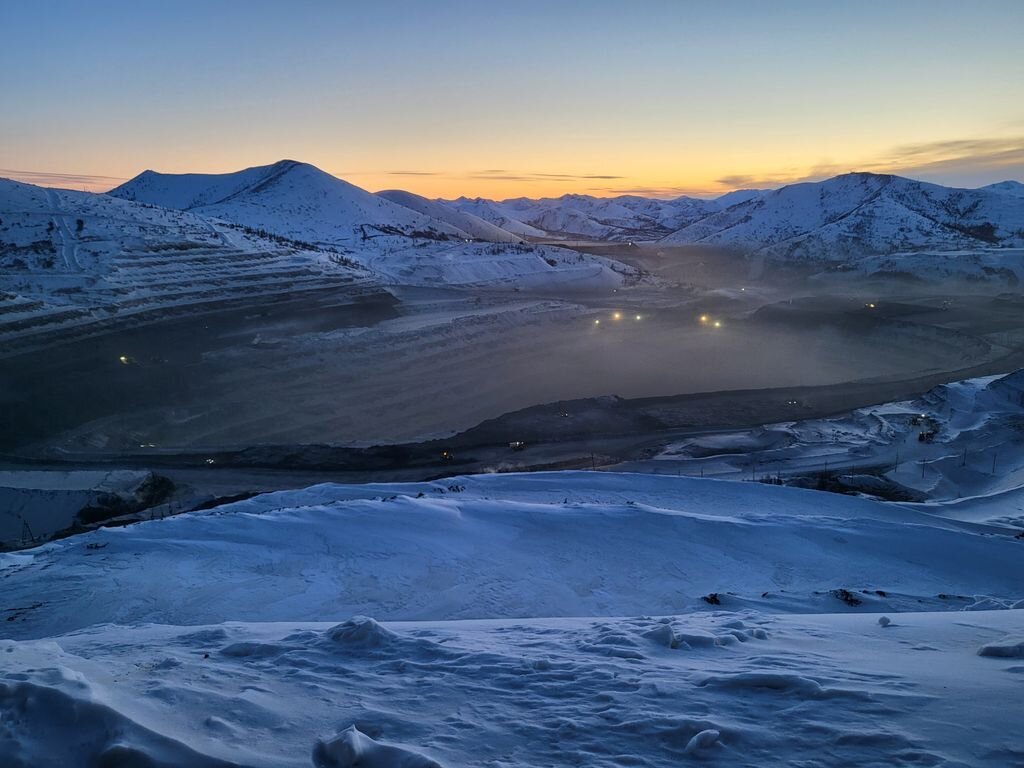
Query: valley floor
pixel 436 362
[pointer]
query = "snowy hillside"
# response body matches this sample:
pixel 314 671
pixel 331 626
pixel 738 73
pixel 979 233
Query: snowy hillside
pixel 291 199
pixel 492 212
pixel 997 266
pixel 738 196
pixel 502 546
pixel 509 266
pixel 474 226
pixel 240 636
pixel 859 214
pixel 73 259
pixel 399 237
pixel 961 439
pixel 1014 188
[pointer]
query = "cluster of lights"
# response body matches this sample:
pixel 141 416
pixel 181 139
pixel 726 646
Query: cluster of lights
pixel 706 320
pixel 617 317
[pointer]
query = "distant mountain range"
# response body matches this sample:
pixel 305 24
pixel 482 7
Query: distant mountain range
pixel 161 243
pixel 849 216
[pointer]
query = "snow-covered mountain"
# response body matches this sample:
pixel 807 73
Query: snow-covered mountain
pixel 291 199
pixel 738 196
pixel 628 217
pixel 72 259
pixel 474 226
pixel 493 212
pixel 1008 187
pixel 859 214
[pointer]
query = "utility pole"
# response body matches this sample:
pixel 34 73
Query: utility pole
pixel 994 455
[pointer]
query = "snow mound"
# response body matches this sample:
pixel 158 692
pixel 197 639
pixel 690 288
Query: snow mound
pixel 1007 648
pixel 702 740
pixel 360 632
pixel 60 721
pixel 796 685
pixel 354 749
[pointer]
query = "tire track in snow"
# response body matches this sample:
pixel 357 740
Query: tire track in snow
pixel 68 247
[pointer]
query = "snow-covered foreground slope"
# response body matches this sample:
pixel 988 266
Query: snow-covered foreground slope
pixel 861 213
pixel 73 259
pixel 721 689
pixel 557 544
pixel 237 637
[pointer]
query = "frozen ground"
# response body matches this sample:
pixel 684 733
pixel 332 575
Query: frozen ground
pixel 150 645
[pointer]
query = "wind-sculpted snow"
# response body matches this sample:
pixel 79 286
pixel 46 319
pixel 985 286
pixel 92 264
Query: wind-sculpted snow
pixel 840 690
pixel 332 626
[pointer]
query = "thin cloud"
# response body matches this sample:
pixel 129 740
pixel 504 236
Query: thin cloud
pixel 665 193
pixel 412 173
pixel 969 162
pixel 503 175
pixel 51 179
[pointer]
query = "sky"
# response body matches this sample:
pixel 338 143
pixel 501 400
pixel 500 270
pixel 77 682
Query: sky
pixel 518 98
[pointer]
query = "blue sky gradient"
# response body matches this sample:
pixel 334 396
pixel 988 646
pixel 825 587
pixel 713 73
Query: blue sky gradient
pixel 447 98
